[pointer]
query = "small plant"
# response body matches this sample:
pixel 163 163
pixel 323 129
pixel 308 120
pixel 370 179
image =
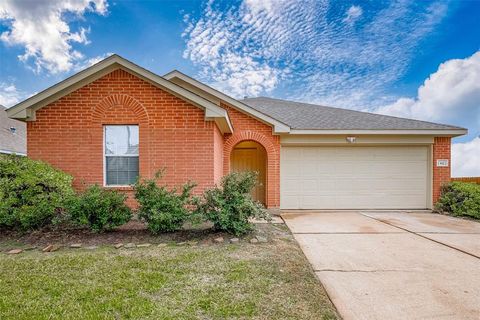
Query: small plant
pixel 460 199
pixel 99 209
pixel 162 209
pixel 230 207
pixel 32 192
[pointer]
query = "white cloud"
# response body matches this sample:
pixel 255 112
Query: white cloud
pixel 260 5
pixel 309 47
pixel 42 28
pixel 466 159
pixel 353 13
pixel 244 77
pixel 449 95
pixel 225 63
pixel 9 94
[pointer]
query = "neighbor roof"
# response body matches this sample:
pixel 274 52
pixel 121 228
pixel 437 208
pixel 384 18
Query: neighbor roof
pixel 12 134
pixel 305 116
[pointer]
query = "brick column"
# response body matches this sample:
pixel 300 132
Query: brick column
pixel 441 175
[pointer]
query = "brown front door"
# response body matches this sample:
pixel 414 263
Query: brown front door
pixel 251 156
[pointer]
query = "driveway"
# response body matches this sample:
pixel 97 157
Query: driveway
pixel 393 264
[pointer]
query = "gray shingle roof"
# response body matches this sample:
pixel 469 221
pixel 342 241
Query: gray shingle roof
pixel 306 116
pixel 9 141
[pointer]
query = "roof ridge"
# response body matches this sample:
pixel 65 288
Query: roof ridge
pixel 357 111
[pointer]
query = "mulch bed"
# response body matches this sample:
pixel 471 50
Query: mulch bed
pixel 132 232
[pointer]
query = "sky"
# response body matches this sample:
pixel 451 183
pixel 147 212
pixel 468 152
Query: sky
pixel 415 59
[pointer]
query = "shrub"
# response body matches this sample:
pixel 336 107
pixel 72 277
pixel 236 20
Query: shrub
pixel 163 210
pixel 99 209
pixel 31 192
pixel 460 199
pixel 230 206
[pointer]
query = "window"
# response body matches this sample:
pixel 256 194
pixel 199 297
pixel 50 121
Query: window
pixel 121 155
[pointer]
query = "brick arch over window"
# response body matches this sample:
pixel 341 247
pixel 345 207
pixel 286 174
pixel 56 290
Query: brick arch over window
pixel 121 109
pixel 273 162
pixel 115 103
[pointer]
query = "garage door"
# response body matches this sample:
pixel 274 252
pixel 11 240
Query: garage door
pixel 354 177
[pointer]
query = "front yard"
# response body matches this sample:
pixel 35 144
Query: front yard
pixel 184 275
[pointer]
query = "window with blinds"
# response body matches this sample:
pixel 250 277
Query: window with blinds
pixel 121 155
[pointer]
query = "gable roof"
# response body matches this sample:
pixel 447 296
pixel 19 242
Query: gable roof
pixel 12 142
pixel 212 94
pixel 285 117
pixel 25 110
pixel 310 118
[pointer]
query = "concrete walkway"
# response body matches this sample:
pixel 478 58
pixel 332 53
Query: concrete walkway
pixel 393 264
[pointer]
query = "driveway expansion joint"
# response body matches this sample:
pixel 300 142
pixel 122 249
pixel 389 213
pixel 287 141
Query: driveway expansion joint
pixel 421 235
pixel 307 233
pixel 430 232
pixel 367 271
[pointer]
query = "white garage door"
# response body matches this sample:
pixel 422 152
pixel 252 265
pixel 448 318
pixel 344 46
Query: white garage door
pixel 354 177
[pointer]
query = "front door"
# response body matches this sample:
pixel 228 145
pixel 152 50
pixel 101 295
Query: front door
pixel 251 156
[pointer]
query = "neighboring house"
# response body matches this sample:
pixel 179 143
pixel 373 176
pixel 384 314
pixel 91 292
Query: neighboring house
pixel 115 120
pixel 12 135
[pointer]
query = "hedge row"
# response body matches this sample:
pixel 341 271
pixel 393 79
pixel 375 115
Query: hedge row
pixel 33 195
pixel 460 199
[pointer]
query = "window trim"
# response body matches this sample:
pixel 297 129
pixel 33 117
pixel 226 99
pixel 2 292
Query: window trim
pixel 104 155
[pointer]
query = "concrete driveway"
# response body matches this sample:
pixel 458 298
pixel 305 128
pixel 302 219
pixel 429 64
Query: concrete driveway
pixel 393 264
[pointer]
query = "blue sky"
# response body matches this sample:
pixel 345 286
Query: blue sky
pixel 416 59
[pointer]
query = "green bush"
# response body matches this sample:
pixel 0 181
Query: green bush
pixel 163 210
pixel 32 192
pixel 99 209
pixel 230 206
pixel 460 199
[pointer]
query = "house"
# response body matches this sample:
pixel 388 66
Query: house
pixel 115 120
pixel 13 138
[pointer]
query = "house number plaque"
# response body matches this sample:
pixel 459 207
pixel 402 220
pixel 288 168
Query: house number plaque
pixel 442 162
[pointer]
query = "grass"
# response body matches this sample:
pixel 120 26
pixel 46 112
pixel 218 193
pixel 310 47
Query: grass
pixel 217 281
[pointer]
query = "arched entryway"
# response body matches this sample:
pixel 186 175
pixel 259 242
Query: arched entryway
pixel 251 156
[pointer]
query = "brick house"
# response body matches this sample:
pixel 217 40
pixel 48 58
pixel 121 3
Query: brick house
pixel 115 121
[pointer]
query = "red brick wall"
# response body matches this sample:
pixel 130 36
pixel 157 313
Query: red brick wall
pixel 173 133
pixel 217 155
pixel 441 175
pixel 247 128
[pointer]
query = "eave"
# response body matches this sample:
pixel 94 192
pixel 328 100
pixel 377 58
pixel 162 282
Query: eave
pixel 26 109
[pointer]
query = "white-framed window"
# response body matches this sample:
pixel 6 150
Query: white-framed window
pixel 120 155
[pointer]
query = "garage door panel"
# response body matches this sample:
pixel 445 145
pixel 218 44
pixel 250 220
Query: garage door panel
pixel 309 154
pixel 393 184
pixel 354 177
pixel 290 201
pixel 291 185
pixel 309 186
pixel 308 168
pixel 325 168
pixel 291 169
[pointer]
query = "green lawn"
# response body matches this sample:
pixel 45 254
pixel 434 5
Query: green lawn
pixel 214 281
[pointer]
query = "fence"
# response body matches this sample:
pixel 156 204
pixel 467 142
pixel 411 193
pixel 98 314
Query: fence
pixel 468 179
